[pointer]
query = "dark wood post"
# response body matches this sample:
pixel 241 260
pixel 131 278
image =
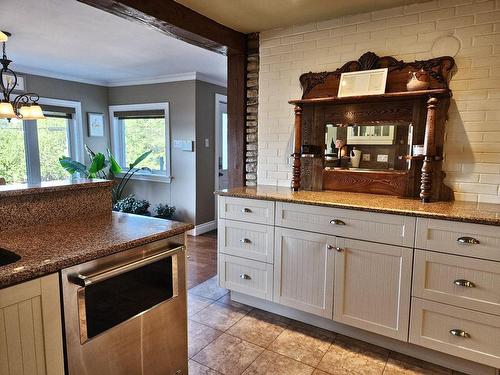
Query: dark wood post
pixel 429 150
pixel 297 147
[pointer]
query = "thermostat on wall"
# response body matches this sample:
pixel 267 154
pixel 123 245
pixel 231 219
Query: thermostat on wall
pixel 184 145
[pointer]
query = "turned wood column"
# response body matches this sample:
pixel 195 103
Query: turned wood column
pixel 429 150
pixel 297 147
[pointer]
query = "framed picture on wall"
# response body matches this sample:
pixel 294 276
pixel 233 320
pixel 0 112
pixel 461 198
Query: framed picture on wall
pixel 95 123
pixel 364 82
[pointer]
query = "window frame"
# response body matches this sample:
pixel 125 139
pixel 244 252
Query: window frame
pixel 118 140
pixel 31 147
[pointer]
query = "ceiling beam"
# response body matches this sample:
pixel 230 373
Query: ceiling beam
pixel 178 21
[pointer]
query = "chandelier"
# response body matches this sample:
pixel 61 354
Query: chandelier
pixel 24 106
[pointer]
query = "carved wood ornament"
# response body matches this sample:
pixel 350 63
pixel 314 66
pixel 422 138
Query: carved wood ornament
pixel 426 110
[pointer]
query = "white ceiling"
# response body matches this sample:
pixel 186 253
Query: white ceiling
pixel 258 15
pixel 71 40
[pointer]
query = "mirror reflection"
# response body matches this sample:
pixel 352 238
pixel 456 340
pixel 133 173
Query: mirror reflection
pixel 384 146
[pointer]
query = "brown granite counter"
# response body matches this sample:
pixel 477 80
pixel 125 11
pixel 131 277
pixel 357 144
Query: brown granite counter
pixel 12 190
pixel 48 248
pixel 480 213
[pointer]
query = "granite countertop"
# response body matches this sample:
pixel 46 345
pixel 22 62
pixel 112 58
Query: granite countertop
pixel 472 212
pixel 48 248
pixel 12 190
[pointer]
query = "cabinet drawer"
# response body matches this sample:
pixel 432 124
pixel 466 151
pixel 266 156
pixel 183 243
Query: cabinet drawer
pixel 250 210
pixel 370 226
pixel 474 240
pixel 432 323
pixel 246 276
pixel 456 280
pixel 252 241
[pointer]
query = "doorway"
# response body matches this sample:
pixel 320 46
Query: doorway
pixel 221 143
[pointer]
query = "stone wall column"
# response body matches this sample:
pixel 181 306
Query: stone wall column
pixel 252 102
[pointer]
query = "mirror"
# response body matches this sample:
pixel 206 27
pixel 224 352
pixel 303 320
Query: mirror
pixel 378 146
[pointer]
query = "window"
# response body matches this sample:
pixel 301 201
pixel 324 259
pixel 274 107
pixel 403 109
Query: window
pixel 138 128
pixel 30 150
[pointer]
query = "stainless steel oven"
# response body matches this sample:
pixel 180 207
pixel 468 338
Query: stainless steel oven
pixel 125 314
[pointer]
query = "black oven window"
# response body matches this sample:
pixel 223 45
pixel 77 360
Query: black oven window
pixel 113 301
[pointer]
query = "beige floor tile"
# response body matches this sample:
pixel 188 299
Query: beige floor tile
pixel 319 372
pixel 228 355
pixel 351 357
pixel 275 364
pixel 400 364
pixel 259 327
pixel 200 336
pixel 219 316
pixel 226 300
pixel 303 343
pixel 195 368
pixel 197 303
pixel 209 289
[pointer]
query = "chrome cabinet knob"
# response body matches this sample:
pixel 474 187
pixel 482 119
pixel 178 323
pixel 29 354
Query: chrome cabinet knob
pixel 329 247
pixel 464 283
pixel 468 240
pixel 244 276
pixel 459 333
pixel 245 240
pixel 337 222
pixel 246 210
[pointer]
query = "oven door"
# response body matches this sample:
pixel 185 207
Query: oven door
pixel 129 312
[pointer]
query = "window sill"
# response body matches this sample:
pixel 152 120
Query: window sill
pixel 148 177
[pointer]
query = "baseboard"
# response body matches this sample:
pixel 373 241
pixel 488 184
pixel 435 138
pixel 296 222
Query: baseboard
pixel 428 355
pixel 203 228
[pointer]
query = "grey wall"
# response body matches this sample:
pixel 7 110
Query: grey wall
pixel 181 97
pixel 92 97
pixel 192 117
pixel 205 156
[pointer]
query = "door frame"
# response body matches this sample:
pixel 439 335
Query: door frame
pixel 219 99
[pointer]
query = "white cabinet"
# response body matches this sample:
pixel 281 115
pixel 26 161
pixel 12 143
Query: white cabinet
pixel 370 135
pixel 372 287
pixel 303 271
pixel 31 329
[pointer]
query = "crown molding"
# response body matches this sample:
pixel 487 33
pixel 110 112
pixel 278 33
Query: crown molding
pixel 191 76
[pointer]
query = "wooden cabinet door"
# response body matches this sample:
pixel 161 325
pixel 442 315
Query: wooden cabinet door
pixel 372 287
pixel 31 329
pixel 303 271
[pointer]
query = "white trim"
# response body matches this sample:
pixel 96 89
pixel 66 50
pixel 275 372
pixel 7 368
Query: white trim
pixel 177 77
pixel 203 228
pixel 117 137
pixel 76 131
pixel 219 98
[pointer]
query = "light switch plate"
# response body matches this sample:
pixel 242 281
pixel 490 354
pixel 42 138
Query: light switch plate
pixel 184 145
pixel 382 158
pixel 207 143
pixel 366 157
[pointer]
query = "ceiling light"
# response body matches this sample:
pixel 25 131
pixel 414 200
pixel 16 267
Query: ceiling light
pixel 3 36
pixel 24 106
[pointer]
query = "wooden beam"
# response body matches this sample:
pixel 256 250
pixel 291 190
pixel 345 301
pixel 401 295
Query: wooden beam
pixel 177 21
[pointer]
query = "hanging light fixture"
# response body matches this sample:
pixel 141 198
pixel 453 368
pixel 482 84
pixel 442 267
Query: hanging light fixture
pixel 24 106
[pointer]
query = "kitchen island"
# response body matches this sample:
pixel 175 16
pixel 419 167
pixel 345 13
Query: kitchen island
pixel 46 231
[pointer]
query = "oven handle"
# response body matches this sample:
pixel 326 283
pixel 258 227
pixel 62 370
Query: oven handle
pixel 86 280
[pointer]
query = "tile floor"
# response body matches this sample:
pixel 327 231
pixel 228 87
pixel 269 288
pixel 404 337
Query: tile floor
pixel 226 337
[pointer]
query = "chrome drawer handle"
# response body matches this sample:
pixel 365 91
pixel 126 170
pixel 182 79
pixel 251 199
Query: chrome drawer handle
pixel 468 240
pixel 246 210
pixel 337 222
pixel 464 283
pixel 245 240
pixel 459 333
pixel 244 276
pixel 330 247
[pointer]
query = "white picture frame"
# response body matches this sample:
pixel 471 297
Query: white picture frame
pixel 364 82
pixel 95 123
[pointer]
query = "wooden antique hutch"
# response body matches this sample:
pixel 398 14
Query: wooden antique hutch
pixel 422 112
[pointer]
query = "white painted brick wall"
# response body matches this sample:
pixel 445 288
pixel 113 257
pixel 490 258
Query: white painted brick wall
pixel 472 148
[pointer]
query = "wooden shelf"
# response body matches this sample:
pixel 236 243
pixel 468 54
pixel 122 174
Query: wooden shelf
pixel 374 98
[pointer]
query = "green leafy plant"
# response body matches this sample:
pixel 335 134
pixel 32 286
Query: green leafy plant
pixel 100 167
pixel 132 205
pixel 164 211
